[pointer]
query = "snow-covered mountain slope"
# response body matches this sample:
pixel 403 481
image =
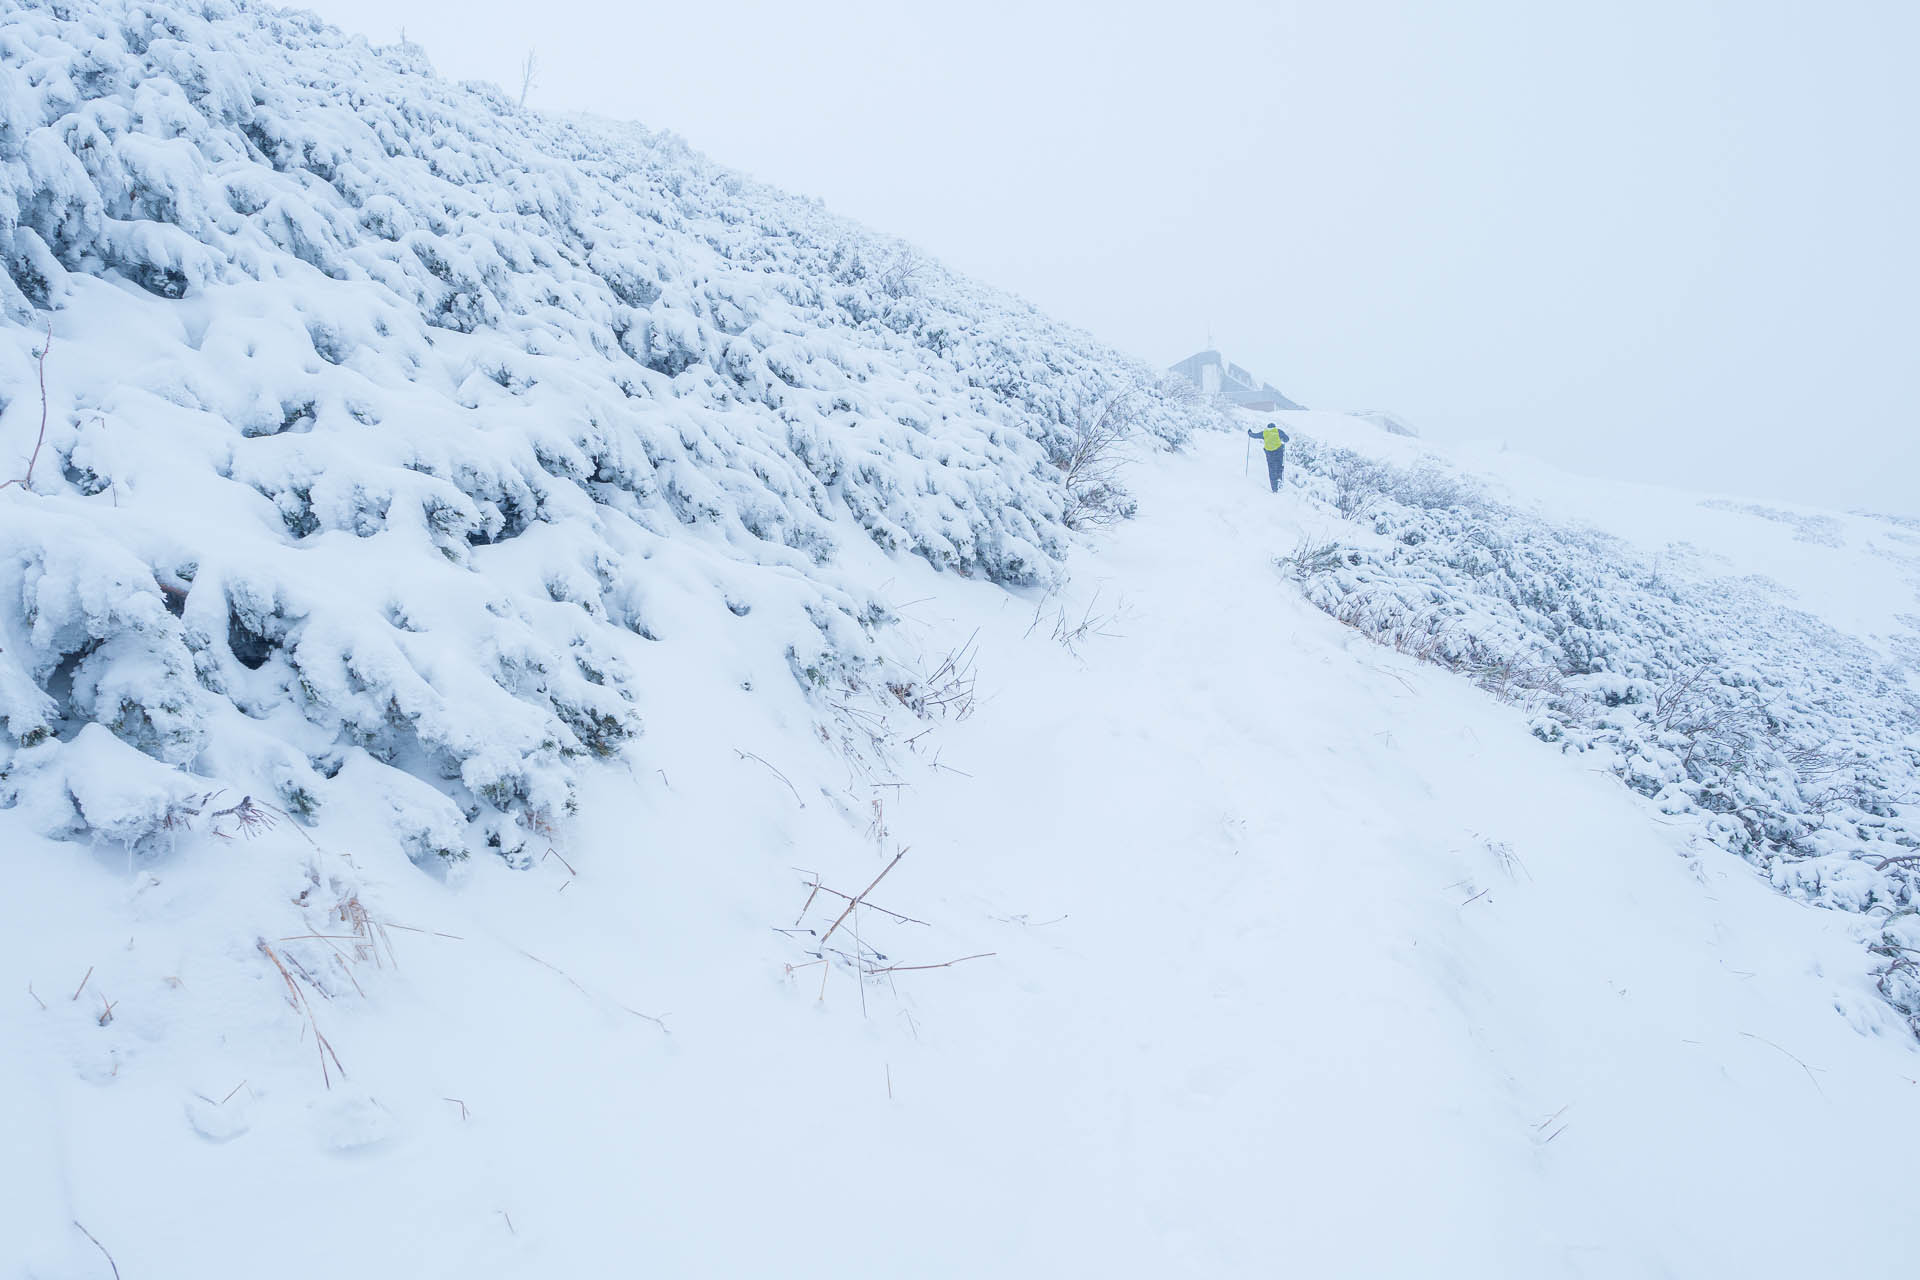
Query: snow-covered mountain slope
pixel 494 591
pixel 1294 953
pixel 1779 722
pixel 391 433
pixel 1857 571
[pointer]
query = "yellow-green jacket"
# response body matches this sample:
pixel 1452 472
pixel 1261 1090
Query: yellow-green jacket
pixel 1273 439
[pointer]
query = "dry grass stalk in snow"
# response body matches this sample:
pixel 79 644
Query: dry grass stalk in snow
pixel 298 999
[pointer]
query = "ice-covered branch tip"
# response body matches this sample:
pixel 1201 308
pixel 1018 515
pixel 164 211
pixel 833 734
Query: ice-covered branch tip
pixel 26 482
pixel 529 68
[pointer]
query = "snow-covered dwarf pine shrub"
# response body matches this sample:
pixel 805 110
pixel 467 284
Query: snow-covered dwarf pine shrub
pixel 1090 456
pixel 391 424
pixel 1791 744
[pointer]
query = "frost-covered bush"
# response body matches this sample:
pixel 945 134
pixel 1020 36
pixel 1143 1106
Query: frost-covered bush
pixel 1789 743
pixel 1089 455
pixel 1823 530
pixel 380 410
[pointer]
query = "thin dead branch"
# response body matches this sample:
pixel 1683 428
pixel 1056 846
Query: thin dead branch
pixel 1803 1066
pixel 815 888
pixel 658 1022
pixel 809 902
pixel 856 899
pixel 102 1248
pixel 944 964
pixel 432 933
pixel 748 755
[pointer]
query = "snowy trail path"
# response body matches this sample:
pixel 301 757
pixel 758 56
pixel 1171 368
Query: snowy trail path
pixel 1264 1000
pixel 1337 1025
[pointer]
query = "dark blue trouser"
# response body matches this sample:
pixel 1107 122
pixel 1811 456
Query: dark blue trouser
pixel 1276 459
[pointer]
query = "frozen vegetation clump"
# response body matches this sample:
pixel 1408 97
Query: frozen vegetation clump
pixel 1819 529
pixel 1788 742
pixel 387 424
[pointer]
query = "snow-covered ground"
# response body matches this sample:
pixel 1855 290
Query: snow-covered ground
pixel 1306 957
pixel 1666 655
pixel 494 588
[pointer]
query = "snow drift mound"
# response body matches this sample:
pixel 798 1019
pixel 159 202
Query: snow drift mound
pixel 386 425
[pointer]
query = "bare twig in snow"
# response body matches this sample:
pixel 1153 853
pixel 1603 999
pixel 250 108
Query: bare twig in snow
pixel 815 888
pixel 102 1248
pixel 748 755
pixel 1803 1066
pixel 945 964
pixel 855 900
pixel 658 1022
pixel 452 937
pixel 297 827
pixel 858 948
pixel 810 897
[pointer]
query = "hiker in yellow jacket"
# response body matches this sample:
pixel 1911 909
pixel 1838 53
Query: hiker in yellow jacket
pixel 1274 441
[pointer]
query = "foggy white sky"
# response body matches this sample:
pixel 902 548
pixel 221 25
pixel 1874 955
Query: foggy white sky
pixel 1669 238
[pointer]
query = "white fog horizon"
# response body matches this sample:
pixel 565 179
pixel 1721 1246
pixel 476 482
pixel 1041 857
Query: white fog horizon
pixel 1665 242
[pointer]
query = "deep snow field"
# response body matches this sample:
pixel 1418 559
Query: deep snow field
pixel 1264 994
pixel 495 589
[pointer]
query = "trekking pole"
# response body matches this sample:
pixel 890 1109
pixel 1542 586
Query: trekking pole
pixel 1248 464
